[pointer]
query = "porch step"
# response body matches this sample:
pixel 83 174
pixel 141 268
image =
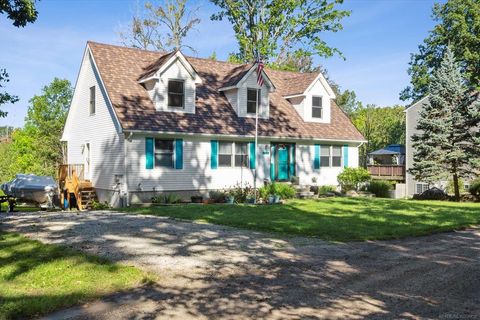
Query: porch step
pixel 305 195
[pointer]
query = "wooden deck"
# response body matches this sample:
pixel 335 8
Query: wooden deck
pixel 387 172
pixel 71 178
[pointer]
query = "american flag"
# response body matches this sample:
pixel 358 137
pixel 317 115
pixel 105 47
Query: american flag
pixel 259 73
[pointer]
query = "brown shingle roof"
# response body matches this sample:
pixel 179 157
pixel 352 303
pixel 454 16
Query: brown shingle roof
pixel 120 68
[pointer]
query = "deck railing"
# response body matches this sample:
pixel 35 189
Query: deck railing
pixel 68 170
pixel 386 170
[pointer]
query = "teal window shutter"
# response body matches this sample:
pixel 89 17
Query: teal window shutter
pixel 149 153
pixel 214 152
pixel 272 162
pixel 345 156
pixel 179 154
pixel 253 154
pixel 316 160
pixel 292 160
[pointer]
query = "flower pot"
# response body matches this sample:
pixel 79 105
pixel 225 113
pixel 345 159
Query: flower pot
pixel 271 199
pixel 229 200
pixel 251 200
pixel 276 199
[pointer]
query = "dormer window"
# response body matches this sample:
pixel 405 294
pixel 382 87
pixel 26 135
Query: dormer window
pixel 317 111
pixel 253 97
pixel 176 94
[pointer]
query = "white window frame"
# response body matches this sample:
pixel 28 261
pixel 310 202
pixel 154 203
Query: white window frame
pixel 233 154
pixel 183 94
pixel 258 103
pixel 317 107
pixel 155 153
pixel 330 156
pixel 92 103
pixel 423 186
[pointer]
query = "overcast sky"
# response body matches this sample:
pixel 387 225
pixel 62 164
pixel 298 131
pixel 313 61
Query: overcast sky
pixel 377 41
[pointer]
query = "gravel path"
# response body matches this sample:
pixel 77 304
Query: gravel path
pixel 209 271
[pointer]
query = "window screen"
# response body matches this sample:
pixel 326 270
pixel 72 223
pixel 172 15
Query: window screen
pixel 336 156
pixel 225 154
pixel 241 154
pixel 251 100
pixel 175 93
pixel 324 156
pixel 163 153
pixel 316 107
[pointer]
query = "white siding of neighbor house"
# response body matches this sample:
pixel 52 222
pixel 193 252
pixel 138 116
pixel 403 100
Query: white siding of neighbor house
pixel 251 82
pixel 101 130
pixel 198 175
pixel 303 104
pixel 159 93
pixel 305 156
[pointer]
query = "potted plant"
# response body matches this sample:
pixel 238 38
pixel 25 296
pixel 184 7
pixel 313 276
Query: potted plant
pixel 229 197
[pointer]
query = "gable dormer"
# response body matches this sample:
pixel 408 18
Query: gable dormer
pixel 243 92
pixel 314 103
pixel 171 83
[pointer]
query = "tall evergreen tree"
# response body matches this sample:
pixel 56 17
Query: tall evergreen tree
pixel 447 125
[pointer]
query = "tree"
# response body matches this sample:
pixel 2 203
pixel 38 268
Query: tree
pixel 458 27
pixel 299 61
pixel 347 100
pixel 5 97
pixel 380 126
pixel 272 29
pixel 445 146
pixel 37 148
pixel 161 27
pixel 20 12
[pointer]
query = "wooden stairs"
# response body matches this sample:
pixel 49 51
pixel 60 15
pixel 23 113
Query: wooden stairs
pixel 79 192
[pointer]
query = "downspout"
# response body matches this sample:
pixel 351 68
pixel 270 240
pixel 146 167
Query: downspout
pixel 125 165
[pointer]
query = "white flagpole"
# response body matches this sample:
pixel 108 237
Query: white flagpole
pixel 256 142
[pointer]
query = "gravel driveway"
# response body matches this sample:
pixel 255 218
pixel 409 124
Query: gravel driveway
pixel 209 271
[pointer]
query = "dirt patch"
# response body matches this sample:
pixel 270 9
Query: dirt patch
pixel 210 271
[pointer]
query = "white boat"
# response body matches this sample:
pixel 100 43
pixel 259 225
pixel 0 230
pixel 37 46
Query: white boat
pixel 32 188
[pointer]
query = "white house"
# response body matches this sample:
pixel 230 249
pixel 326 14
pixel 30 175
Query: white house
pixel 142 122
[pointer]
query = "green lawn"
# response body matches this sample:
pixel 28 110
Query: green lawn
pixel 334 219
pixel 37 279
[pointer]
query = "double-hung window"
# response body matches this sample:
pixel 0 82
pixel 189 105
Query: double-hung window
pixel 163 153
pixel 232 154
pixel 92 100
pixel 317 111
pixel 421 188
pixel 241 154
pixel 176 94
pixel 253 97
pixel 324 156
pixel 336 156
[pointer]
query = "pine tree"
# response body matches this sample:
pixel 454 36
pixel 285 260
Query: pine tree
pixel 445 146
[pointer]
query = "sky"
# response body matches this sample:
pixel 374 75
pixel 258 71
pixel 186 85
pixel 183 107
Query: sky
pixel 377 41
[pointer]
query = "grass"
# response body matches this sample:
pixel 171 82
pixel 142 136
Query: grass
pixel 334 219
pixel 36 278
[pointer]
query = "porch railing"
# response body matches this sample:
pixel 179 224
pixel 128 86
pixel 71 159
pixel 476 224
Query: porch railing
pixel 68 170
pixel 386 170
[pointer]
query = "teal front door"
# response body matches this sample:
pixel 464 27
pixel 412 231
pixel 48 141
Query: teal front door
pixel 283 163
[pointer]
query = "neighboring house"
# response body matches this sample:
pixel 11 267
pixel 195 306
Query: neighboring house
pixel 387 163
pixel 143 122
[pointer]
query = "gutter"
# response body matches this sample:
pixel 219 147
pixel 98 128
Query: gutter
pixel 249 137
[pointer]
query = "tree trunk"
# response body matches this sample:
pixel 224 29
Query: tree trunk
pixel 456 187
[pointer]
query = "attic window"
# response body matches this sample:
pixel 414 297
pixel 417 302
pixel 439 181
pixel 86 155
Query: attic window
pixel 176 94
pixel 253 96
pixel 316 107
pixel 92 100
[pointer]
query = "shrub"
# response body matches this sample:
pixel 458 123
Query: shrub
pixel 283 190
pixel 167 198
pixel 217 196
pixel 432 194
pixel 241 193
pixel 327 189
pixel 99 205
pixel 380 188
pixel 351 178
pixel 451 189
pixel 475 188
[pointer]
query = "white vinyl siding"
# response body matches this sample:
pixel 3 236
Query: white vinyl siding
pixel 102 132
pixel 306 105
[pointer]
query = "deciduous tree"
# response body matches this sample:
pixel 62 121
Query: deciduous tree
pixel 160 26
pixel 458 27
pixel 272 29
pixel 20 12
